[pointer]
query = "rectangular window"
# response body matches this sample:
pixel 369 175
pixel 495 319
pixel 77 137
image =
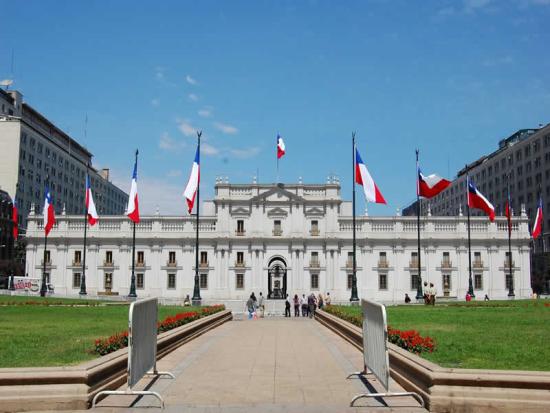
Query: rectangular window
pixel 314 227
pixel 204 281
pixel 140 257
pixel 350 280
pixel 108 257
pixel 446 262
pixel 240 227
pixel 478 281
pixel 382 259
pixel 349 262
pixel 277 227
pixel 76 280
pixel 204 258
pixel 171 281
pixel 108 281
pixel 77 257
pixel 315 281
pixel 382 281
pixel 139 281
pixel 239 282
pixel 414 282
pixel 172 257
pixel 48 256
pixel 240 258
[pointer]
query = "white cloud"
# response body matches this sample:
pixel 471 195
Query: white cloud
pixel 193 97
pixel 190 80
pixel 155 102
pixel 225 128
pixel 159 73
pixel 169 144
pixel 186 128
pixel 245 153
pixel 208 149
pixel 205 112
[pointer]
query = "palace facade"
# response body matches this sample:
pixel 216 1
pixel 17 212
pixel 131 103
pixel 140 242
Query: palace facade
pixel 281 239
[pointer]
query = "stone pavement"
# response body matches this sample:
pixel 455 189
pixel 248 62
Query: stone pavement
pixel 266 365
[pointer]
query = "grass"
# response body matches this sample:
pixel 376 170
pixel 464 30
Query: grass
pixel 22 299
pixel 511 335
pixel 37 335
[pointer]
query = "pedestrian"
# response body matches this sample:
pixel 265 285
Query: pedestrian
pixel 433 293
pixel 296 306
pixel 407 298
pixel 320 301
pixel 253 297
pixel 303 304
pixel 261 305
pixel 187 301
pixel 327 300
pixel 312 304
pixel 486 297
pixel 287 306
pixel 250 306
pixel 468 297
pixel 426 293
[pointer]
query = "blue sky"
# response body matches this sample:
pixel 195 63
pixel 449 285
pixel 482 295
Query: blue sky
pixel 449 77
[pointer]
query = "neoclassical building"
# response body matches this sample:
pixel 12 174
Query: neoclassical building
pixel 281 239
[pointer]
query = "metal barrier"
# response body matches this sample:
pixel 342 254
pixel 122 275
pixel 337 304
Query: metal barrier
pixel 142 348
pixel 375 351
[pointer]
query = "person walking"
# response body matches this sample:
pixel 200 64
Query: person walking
pixel 426 294
pixel 433 293
pixel 311 302
pixel 320 301
pixel 261 305
pixel 327 300
pixel 303 304
pixel 287 306
pixel 407 298
pixel 296 302
pixel 250 306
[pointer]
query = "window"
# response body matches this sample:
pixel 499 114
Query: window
pixel 414 260
pixel 140 257
pixel 277 227
pixel 314 227
pixel 478 281
pixel 314 259
pixel 382 259
pixel 77 257
pixel 203 281
pixel 240 257
pixel 477 258
pixel 108 281
pixel 350 280
pixel 47 255
pixel 414 282
pixel 446 260
pixel 204 258
pixel 239 282
pixel 76 280
pixel 509 282
pixel 240 227
pixel 172 257
pixel 108 257
pixel 349 262
pixel 139 281
pixel 315 281
pixel 382 281
pixel 171 281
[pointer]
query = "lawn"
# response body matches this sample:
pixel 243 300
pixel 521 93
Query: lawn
pixel 55 335
pixel 512 335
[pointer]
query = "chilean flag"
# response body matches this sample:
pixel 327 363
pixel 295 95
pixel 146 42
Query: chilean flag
pixel 193 184
pixel 537 226
pixel 133 205
pixel 90 205
pixel 477 200
pixel 280 147
pixel 431 185
pixel 362 177
pixel 15 219
pixel 508 212
pixel 48 212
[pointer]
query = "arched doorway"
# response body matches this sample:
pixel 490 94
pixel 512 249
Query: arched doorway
pixel 276 274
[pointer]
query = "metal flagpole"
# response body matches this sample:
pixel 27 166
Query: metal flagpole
pixel 511 287
pixel 470 284
pixel 133 278
pixel 83 278
pixel 354 296
pixel 419 294
pixel 43 285
pixel 196 290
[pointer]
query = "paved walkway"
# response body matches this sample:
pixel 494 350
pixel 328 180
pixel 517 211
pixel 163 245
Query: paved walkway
pixel 267 365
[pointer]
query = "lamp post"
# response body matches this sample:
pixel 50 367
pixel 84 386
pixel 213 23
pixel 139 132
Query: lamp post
pixel 511 293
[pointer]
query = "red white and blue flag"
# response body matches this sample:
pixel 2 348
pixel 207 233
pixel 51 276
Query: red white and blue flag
pixel 362 177
pixel 91 212
pixel 537 225
pixel 15 219
pixel 133 205
pixel 193 184
pixel 508 212
pixel 478 201
pixel 280 147
pixel 48 212
pixel 431 185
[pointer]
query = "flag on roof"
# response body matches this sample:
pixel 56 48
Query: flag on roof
pixel 133 205
pixel 537 225
pixel 48 211
pixel 91 211
pixel 280 147
pixel 478 201
pixel 362 177
pixel 431 185
pixel 193 184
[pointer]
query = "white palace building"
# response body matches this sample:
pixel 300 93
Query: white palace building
pixel 279 239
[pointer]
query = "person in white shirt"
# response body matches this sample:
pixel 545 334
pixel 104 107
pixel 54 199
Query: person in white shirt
pixel 432 292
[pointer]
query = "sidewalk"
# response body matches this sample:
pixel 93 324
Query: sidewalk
pixel 267 365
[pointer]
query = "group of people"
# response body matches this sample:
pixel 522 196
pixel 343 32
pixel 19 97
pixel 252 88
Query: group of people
pixel 255 307
pixel 429 294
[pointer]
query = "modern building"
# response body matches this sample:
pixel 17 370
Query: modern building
pixel 281 239
pixel 34 149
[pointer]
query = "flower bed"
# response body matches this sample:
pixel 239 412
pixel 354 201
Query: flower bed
pixel 117 341
pixel 410 340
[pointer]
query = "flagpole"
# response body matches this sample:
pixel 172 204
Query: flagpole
pixel 419 294
pixel 354 296
pixel 511 287
pixel 196 290
pixel 470 284
pixel 83 278
pixel 43 285
pixel 132 293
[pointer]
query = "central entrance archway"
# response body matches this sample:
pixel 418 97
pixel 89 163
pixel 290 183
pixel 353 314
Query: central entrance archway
pixel 276 274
